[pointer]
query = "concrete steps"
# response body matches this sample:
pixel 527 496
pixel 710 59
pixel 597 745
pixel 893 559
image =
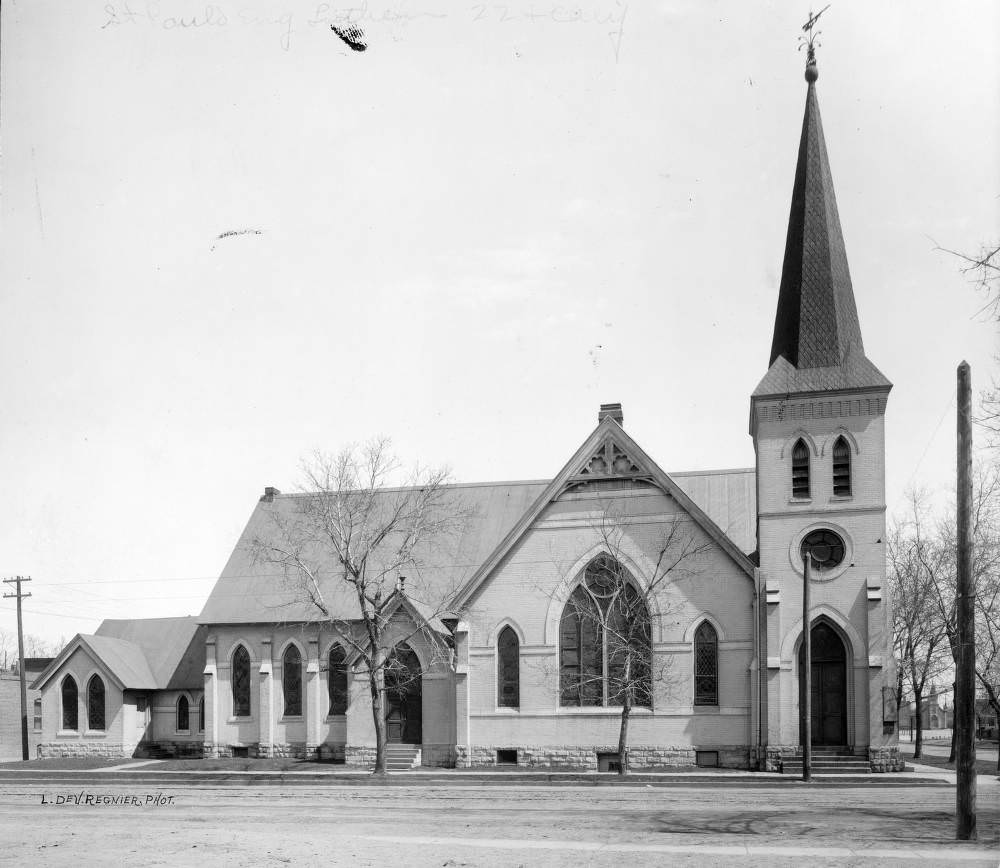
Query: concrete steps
pixel 828 761
pixel 402 757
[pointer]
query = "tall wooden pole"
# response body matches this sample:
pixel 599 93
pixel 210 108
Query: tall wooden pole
pixel 20 662
pixel 806 670
pixel 965 675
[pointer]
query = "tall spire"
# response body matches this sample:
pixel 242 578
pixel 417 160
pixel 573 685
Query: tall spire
pixel 817 341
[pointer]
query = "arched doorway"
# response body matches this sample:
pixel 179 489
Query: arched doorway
pixel 403 697
pixel 829 686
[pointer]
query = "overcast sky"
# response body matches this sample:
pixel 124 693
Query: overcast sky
pixel 228 242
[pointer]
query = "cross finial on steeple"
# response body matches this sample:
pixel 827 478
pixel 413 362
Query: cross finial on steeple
pixel 809 41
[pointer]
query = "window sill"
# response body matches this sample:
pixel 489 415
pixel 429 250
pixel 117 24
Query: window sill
pixel 340 716
pixel 241 719
pixel 706 709
pixel 601 709
pixel 508 709
pixel 68 733
pixel 290 718
pixel 182 732
pixel 841 498
pixel 797 501
pixel 95 733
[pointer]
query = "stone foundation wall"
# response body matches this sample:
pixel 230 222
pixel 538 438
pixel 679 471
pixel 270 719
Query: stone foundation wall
pixel 48 749
pixel 577 758
pixel 180 749
pixel 440 756
pixel 359 756
pixel 331 753
pixel 774 754
pixel 885 759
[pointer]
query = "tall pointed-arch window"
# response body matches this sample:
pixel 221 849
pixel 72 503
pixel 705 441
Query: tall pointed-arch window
pixel 605 642
pixel 70 703
pixel 841 468
pixel 201 714
pixel 706 665
pixel 95 703
pixel 508 669
pixel 183 714
pixel 800 469
pixel 337 684
pixel 291 681
pixel 241 682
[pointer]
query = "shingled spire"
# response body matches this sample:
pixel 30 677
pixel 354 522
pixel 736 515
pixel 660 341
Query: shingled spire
pixel 817 338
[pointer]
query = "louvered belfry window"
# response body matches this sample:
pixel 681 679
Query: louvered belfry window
pixel 841 468
pixel 706 665
pixel 508 669
pixel 800 470
pixel 291 681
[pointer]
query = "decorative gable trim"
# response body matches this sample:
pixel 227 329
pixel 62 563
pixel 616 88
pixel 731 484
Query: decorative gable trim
pixel 607 432
pixel 78 642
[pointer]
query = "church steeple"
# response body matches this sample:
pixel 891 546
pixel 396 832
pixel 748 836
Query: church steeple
pixel 817 341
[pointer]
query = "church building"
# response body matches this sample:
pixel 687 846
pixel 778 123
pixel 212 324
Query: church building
pixel 508 669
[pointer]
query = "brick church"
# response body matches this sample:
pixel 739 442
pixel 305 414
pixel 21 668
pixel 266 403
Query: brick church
pixel 253 675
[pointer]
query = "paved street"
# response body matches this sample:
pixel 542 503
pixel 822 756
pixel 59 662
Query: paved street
pixel 457 825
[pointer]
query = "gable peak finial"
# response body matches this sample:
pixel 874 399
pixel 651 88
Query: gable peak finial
pixel 810 43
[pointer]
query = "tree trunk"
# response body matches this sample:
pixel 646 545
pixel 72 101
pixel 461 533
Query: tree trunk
pixel 951 752
pixel 918 736
pixel 376 687
pixel 623 737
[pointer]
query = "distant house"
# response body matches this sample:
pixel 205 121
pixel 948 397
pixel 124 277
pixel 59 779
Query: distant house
pixel 936 711
pixel 10 709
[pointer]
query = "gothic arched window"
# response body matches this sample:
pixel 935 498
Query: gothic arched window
pixel 605 643
pixel 706 665
pixel 800 469
pixel 183 715
pixel 337 680
pixel 508 669
pixel 841 468
pixel 241 682
pixel 95 703
pixel 291 681
pixel 201 714
pixel 70 704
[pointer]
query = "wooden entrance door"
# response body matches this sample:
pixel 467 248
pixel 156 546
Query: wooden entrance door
pixel 403 698
pixel 829 686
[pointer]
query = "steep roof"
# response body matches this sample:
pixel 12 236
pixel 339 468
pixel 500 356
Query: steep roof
pixel 142 654
pixel 817 342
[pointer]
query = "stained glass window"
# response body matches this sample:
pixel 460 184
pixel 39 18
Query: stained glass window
pixel 201 714
pixel 291 681
pixel 241 682
pixel 800 470
pixel 508 669
pixel 706 665
pixel 826 547
pixel 337 681
pixel 95 703
pixel 841 468
pixel 70 705
pixel 183 721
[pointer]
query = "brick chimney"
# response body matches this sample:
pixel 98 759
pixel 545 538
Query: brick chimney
pixel 612 410
pixel 269 494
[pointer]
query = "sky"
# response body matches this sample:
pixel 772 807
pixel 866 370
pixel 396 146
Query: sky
pixel 229 240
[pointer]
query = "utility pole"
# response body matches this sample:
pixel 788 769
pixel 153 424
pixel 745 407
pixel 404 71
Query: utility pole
pixel 806 670
pixel 965 674
pixel 20 660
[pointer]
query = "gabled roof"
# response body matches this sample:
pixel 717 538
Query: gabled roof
pixel 142 654
pixel 608 446
pixel 249 592
pixel 816 328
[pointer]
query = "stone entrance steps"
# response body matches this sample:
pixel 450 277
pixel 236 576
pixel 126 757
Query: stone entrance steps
pixel 828 761
pixel 402 757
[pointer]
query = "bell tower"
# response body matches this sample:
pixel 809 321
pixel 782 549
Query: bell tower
pixel 817 422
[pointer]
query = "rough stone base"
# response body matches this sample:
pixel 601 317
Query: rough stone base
pixel 576 757
pixel 178 749
pixel 359 756
pixel 440 756
pixel 885 759
pixel 84 748
pixel 330 753
pixel 772 755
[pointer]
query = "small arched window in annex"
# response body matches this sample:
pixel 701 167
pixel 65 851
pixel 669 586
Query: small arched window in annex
pixel 508 669
pixel 291 681
pixel 201 714
pixel 183 714
pixel 95 703
pixel 800 469
pixel 70 703
pixel 241 682
pixel 337 680
pixel 706 665
pixel 841 468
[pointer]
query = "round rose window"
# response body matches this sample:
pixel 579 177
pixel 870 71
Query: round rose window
pixel 826 547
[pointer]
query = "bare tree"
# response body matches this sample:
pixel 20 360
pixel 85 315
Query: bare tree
pixel 345 546
pixel 916 561
pixel 8 648
pixel 620 614
pixel 36 646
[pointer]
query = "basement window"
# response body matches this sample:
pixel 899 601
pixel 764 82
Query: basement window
pixel 241 753
pixel 609 762
pixel 708 759
pixel 507 757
